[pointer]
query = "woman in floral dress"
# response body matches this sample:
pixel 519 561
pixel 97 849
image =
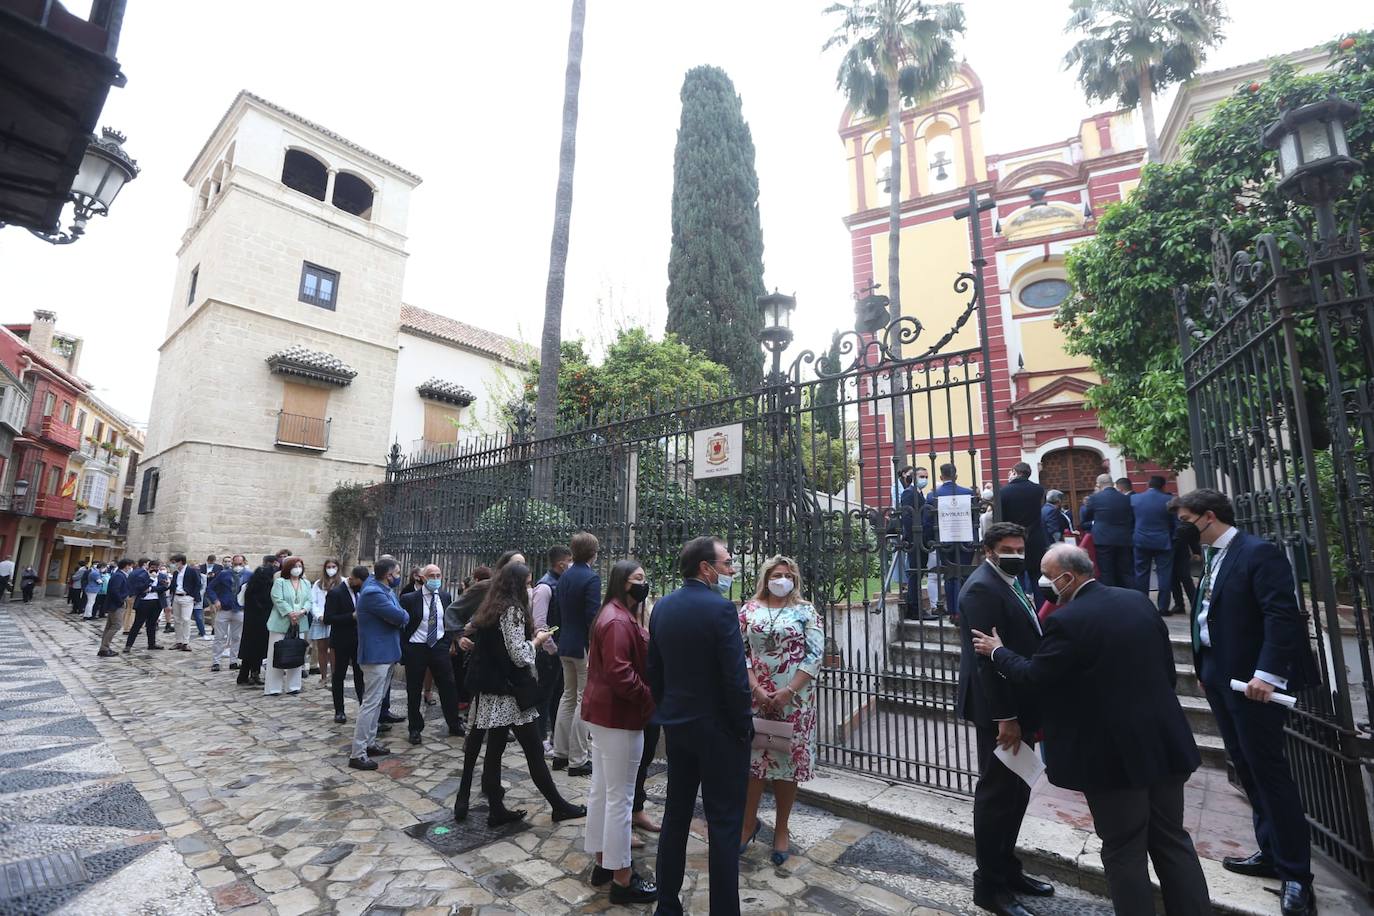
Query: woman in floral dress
pixel 783 645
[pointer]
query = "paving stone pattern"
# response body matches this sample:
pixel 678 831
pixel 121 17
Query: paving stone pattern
pixel 185 793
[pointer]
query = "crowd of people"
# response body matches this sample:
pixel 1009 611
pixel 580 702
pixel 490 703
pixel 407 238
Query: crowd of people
pixel 585 677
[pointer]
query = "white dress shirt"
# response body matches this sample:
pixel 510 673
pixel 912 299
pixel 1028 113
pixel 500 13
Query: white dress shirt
pixel 430 604
pixel 1219 553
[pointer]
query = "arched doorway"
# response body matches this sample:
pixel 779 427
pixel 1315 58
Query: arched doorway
pixel 1074 471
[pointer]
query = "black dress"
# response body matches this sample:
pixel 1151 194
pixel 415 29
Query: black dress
pixel 257 605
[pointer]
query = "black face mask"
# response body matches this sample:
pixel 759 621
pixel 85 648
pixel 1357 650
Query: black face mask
pixel 1012 566
pixel 638 591
pixel 1189 534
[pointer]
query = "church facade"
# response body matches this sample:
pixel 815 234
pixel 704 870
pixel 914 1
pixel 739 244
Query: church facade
pixel 1047 199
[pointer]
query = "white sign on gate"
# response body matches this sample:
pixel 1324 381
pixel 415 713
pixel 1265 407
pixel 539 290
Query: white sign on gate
pixel 955 518
pixel 718 452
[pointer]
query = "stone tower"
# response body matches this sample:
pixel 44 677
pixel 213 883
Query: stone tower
pixel 276 373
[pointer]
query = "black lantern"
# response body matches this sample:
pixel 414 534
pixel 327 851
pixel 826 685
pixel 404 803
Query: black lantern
pixel 1314 157
pixel 105 169
pixel 21 488
pixel 777 310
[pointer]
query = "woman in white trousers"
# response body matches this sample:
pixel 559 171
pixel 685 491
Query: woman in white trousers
pixel 616 705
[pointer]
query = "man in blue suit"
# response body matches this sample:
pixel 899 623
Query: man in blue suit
pixel 1108 515
pixel 1153 539
pixel 697 676
pixel 115 593
pixel 1247 628
pixel 578 594
pixel 380 620
pixel 956 560
pixel 911 510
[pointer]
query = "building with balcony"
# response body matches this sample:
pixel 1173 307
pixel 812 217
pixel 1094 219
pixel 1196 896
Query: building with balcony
pixel 107 458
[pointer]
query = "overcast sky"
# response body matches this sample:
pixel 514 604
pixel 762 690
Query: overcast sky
pixel 469 95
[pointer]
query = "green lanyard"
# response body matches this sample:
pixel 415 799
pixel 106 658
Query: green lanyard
pixel 1025 601
pixel 1208 553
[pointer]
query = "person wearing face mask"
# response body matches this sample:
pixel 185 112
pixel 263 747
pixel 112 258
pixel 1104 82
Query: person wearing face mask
pixel 993 597
pixel 425 650
pixel 617 705
pixel 579 600
pixel 290 604
pixel 257 607
pixel 319 629
pixel 912 506
pixel 898 524
pixel 223 595
pixel 1247 627
pixel 341 613
pixel 700 685
pixel 185 588
pixel 1114 730
pixel 380 620
pixel 783 645
pixel 954 559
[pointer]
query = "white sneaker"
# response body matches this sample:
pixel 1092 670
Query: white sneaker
pixel 548 748
pixel 207 639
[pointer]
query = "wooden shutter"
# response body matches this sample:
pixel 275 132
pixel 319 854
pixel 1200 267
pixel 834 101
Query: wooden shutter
pixel 440 428
pixel 305 400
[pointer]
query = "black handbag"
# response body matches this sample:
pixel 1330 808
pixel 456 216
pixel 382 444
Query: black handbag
pixel 289 652
pixel 524 688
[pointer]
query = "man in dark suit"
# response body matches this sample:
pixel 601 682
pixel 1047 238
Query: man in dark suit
pixel 185 585
pixel 1001 716
pixel 1114 730
pixel 1108 515
pixel 425 648
pixel 578 594
pixel 146 591
pixel 697 676
pixel 955 559
pixel 1247 627
pixel 911 508
pixel 1020 501
pixel 1154 541
pixel 115 593
pixel 341 615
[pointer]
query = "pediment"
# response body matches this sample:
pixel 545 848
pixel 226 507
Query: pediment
pixel 1066 391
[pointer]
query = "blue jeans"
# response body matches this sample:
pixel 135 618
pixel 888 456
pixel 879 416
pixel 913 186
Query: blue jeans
pixel 198 615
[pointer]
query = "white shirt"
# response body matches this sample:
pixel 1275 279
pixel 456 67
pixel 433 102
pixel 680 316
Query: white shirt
pixel 1219 553
pixel 181 578
pixel 431 605
pixel 6 568
pixel 1009 580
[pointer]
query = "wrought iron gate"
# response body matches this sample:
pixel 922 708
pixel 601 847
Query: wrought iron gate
pixel 816 483
pixel 1279 367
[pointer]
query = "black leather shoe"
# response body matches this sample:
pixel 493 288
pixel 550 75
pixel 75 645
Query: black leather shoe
pixel 415 738
pixel 377 750
pixel 637 891
pixel 340 718
pixel 233 666
pixel 1001 902
pixel 1025 884
pixel 570 813
pixel 559 763
pixel 460 809
pixel 362 763
pixel 457 731
pixel 601 876
pixel 584 770
pixel 1255 865
pixel 1297 899
pixel 389 717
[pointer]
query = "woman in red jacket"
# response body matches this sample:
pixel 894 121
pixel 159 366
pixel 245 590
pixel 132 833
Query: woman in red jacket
pixel 617 704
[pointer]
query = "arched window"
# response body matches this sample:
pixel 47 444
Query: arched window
pixel 940 170
pixel 881 156
pixel 1045 293
pixel 303 172
pixel 353 195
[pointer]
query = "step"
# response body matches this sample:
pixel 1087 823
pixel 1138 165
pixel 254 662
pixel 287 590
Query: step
pixel 936 631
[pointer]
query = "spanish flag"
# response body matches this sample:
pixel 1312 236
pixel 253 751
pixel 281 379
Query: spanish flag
pixel 69 488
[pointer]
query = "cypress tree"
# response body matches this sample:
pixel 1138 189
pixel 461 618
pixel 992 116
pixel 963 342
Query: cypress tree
pixel 715 268
pixel 827 409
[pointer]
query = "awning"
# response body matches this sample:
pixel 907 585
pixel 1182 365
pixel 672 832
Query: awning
pixel 103 544
pixel 71 541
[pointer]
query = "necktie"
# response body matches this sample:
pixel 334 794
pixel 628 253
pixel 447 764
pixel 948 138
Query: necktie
pixel 433 636
pixel 1207 555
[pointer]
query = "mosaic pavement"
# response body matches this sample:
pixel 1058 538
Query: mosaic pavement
pixel 177 792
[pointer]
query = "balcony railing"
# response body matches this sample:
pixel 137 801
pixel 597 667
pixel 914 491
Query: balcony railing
pixel 19 505
pixel 62 508
pixel 295 431
pixel 63 435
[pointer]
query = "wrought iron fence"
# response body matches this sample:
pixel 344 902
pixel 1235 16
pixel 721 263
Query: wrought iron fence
pixel 812 460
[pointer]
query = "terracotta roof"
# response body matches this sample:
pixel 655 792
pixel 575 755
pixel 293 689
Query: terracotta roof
pixel 316 364
pixel 488 343
pixel 437 389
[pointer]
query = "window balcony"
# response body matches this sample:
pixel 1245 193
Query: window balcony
pixel 62 508
pixel 295 431
pixel 14 408
pixel 62 435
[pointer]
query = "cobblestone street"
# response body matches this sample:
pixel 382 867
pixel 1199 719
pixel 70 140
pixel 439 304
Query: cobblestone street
pixel 175 791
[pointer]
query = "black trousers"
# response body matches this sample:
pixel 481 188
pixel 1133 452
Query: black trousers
pixel 651 732
pixel 549 669
pixel 1148 822
pixel 703 755
pixel 145 617
pixel 1116 565
pixel 999 804
pixel 345 655
pixel 1254 739
pixel 419 658
pixel 532 746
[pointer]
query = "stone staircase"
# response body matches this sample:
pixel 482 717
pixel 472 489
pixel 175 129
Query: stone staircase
pixel 922 679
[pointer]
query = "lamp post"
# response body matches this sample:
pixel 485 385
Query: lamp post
pixel 776 335
pixel 105 169
pixel 1314 157
pixel 781 475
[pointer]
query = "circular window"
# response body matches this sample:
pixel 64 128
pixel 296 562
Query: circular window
pixel 1044 294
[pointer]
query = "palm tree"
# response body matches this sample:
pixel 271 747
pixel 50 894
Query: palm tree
pixel 546 403
pixel 1132 49
pixel 895 49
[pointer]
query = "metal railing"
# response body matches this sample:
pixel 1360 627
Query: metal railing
pixel 296 431
pixel 19 505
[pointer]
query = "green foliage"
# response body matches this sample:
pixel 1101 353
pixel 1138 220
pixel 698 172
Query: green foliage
pixel 845 556
pixel 1121 314
pixel 348 506
pixel 715 265
pixel 908 38
pixel 522 521
pixel 829 419
pixel 827 461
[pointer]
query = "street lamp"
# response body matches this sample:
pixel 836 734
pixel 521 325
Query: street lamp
pixel 1314 157
pixel 776 334
pixel 105 169
pixel 21 488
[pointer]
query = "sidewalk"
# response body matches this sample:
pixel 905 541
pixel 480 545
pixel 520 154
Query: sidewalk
pixel 246 806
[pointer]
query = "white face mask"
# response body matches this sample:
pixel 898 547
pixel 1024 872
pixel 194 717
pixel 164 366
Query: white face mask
pixel 331 570
pixel 780 587
pixel 238 569
pixel 296 572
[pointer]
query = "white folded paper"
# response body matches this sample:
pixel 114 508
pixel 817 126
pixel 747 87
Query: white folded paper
pixel 1024 763
pixel 1282 699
